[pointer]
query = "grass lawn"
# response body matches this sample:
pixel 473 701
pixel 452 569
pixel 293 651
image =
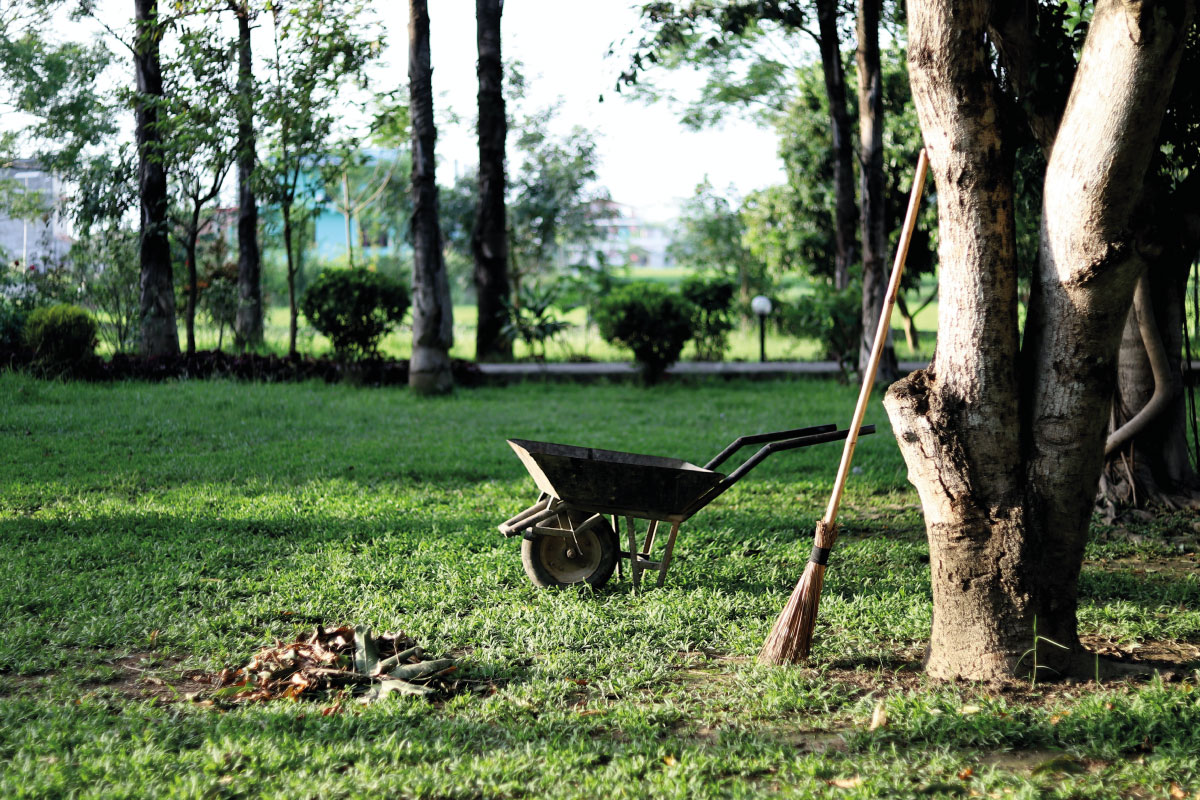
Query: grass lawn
pixel 151 531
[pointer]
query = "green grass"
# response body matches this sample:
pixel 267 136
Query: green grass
pixel 181 526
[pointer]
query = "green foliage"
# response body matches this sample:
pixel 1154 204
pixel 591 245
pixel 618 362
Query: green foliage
pixel 105 259
pixel 532 317
pixel 12 326
pixel 650 320
pixel 219 297
pixel 832 317
pixel 354 308
pixel 712 296
pixel 553 192
pixel 710 237
pixel 60 336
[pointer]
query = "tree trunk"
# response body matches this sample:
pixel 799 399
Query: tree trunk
pixel 874 209
pixel 249 321
pixel 291 278
pixel 159 335
pixel 1004 447
pixel 845 206
pixel 1152 468
pixel 193 293
pixel 432 313
pixel 489 240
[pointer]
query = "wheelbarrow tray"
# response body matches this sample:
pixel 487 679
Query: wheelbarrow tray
pixel 612 482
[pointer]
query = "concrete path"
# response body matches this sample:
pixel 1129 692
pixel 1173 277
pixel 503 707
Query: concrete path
pixel 608 369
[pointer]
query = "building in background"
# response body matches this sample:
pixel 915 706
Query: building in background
pixel 624 238
pixel 27 236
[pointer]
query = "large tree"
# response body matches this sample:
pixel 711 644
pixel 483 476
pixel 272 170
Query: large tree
pixel 432 313
pixel 248 327
pixel 1003 433
pixel 159 335
pixel 489 240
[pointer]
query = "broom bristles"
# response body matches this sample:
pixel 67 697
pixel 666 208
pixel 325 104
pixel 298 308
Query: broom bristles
pixel 791 637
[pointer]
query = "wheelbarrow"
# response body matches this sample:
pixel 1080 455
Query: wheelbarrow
pixel 567 537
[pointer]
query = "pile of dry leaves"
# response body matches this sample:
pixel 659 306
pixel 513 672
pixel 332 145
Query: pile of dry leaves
pixel 344 659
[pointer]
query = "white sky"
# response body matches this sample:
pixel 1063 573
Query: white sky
pixel 648 160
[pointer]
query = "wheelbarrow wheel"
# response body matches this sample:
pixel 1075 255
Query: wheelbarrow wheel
pixel 589 557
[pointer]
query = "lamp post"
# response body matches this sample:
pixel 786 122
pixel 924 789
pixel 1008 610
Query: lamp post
pixel 761 305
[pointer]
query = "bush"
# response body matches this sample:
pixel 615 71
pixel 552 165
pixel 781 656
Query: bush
pixel 651 321
pixel 60 337
pixel 713 298
pixel 12 327
pixel 832 317
pixel 355 308
pixel 532 318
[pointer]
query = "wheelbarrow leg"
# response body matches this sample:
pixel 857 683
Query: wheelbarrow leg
pixel 666 559
pixel 650 538
pixel 616 526
pixel 635 568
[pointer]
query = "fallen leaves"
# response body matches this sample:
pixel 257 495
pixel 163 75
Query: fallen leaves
pixel 345 659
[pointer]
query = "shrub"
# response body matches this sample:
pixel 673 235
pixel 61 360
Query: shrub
pixel 532 318
pixel 12 327
pixel 61 337
pixel 651 321
pixel 713 298
pixel 832 317
pixel 219 298
pixel 355 308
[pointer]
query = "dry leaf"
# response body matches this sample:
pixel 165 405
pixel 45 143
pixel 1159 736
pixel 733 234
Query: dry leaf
pixel 846 783
pixel 670 761
pixel 1177 791
pixel 970 709
pixel 966 774
pixel 878 717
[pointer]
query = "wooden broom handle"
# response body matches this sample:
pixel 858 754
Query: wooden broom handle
pixel 881 333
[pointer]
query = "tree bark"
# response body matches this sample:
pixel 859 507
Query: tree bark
pixel 1004 447
pixel 249 321
pixel 159 335
pixel 845 205
pixel 432 313
pixel 489 240
pixel 874 209
pixel 289 254
pixel 193 292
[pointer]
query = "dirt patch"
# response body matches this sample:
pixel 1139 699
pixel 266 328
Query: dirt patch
pixel 149 676
pixel 13 685
pixel 1170 568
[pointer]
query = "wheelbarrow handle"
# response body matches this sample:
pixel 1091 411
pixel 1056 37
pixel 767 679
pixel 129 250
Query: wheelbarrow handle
pixel 774 447
pixel 759 438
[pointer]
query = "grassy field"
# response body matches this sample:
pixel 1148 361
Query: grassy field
pixel 152 532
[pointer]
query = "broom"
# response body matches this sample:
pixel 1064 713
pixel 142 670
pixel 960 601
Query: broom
pixel 791 637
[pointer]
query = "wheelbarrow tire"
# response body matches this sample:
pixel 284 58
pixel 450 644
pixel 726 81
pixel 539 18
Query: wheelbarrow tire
pixel 553 560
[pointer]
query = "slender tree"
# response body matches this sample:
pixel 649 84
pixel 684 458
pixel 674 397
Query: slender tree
pixel 159 335
pixel 1001 434
pixel 845 207
pixel 874 207
pixel 489 239
pixel 432 313
pixel 248 328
